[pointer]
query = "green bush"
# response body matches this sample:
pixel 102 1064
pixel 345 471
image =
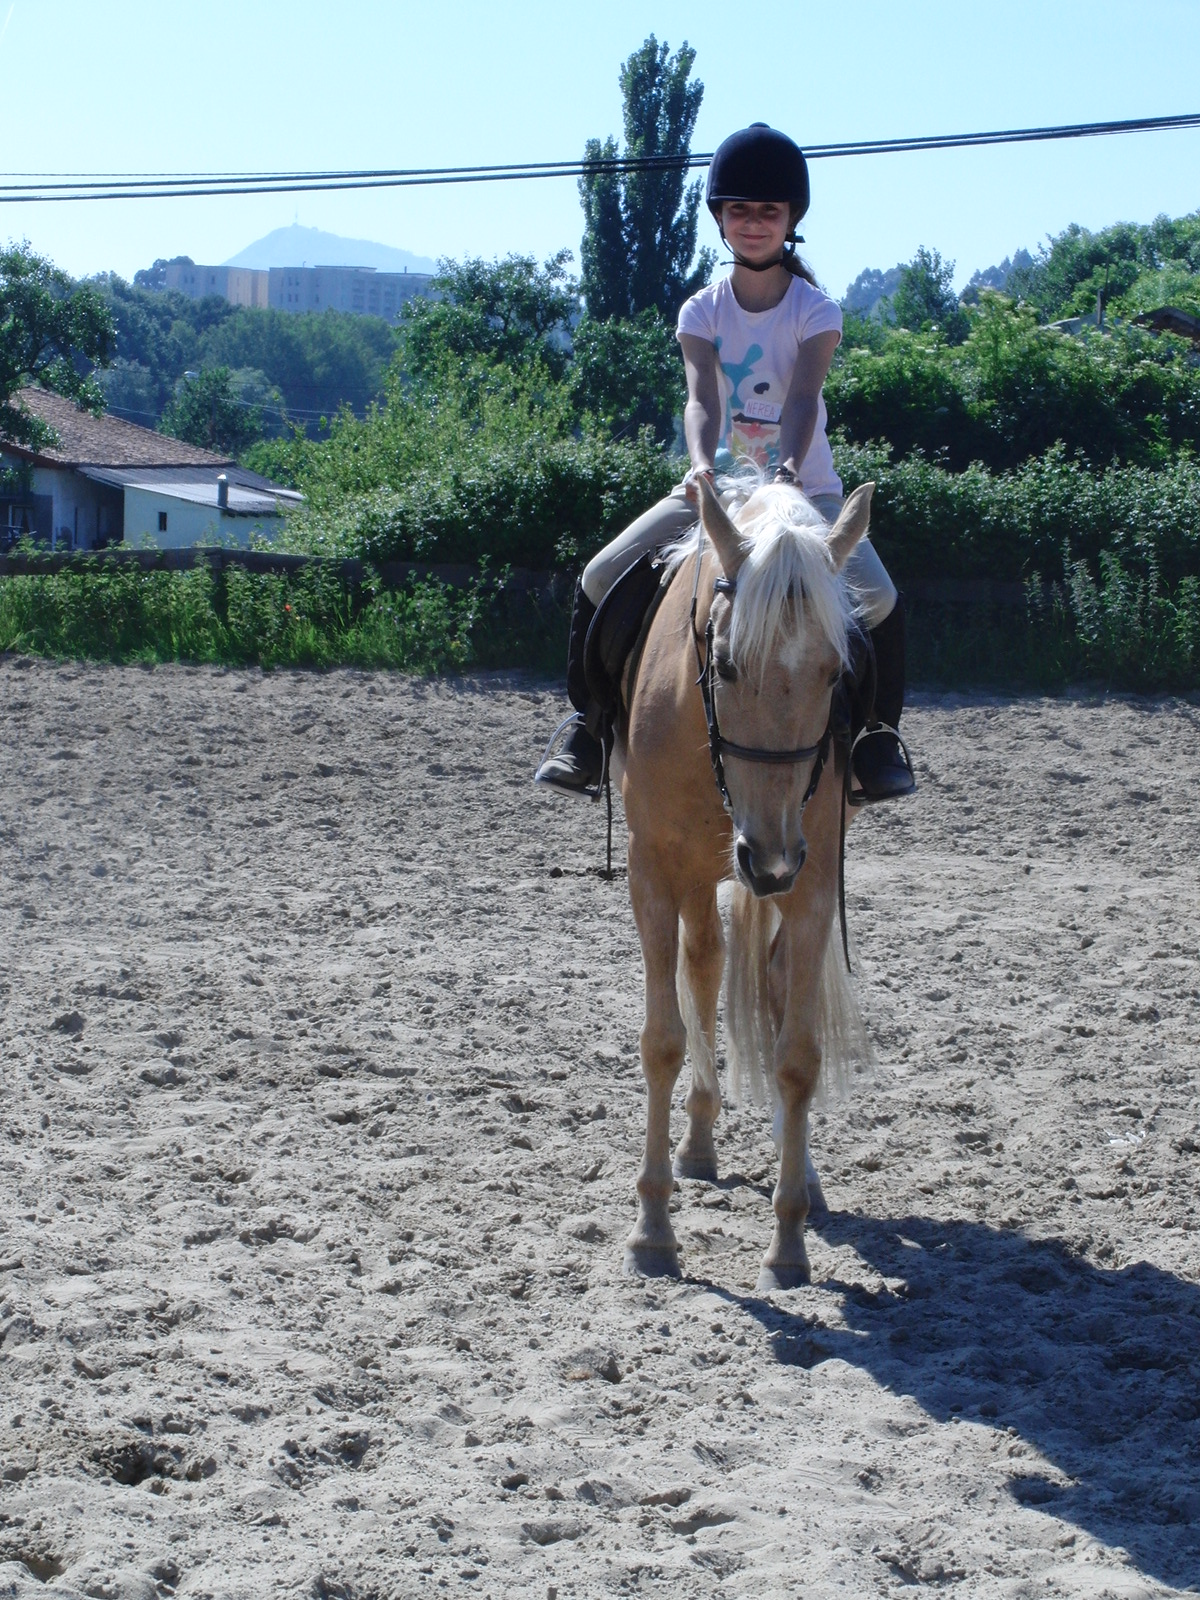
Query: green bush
pixel 907 391
pixel 1123 631
pixel 112 614
pixel 1129 629
pixel 1051 512
pixel 1013 389
pixel 309 618
pixel 482 460
pixel 544 503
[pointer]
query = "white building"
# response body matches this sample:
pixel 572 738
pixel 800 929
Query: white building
pixel 360 290
pixel 241 286
pixel 110 482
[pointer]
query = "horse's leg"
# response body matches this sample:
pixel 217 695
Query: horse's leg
pixel 703 963
pixel 651 1247
pixel 794 984
pixel 777 995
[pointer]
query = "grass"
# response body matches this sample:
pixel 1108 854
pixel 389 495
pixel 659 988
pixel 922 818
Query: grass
pixel 239 618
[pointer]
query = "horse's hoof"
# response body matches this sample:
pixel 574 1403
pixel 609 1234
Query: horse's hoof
pixel 702 1168
pixel 793 1276
pixel 652 1260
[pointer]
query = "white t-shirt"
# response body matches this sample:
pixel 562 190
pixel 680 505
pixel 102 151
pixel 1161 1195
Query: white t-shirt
pixel 756 355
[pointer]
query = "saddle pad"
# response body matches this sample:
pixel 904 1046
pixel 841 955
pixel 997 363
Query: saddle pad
pixel 617 627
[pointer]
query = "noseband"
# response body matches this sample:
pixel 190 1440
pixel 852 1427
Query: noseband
pixel 718 746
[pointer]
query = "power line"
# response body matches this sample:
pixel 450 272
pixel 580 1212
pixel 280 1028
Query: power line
pixel 64 187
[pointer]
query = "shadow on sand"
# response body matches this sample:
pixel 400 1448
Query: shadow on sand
pixel 1098 1370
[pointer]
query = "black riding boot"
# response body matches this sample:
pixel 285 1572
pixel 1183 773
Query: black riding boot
pixel 881 767
pixel 578 762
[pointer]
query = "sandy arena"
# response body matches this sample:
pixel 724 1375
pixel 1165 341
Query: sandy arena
pixel 321 1115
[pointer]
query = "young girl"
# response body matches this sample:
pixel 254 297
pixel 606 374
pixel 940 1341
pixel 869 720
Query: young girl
pixel 757 347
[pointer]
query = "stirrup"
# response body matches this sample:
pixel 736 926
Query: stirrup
pixel 576 719
pixel 859 797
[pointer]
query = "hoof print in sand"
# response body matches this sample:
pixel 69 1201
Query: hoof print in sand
pixel 552 1531
pixel 164 1077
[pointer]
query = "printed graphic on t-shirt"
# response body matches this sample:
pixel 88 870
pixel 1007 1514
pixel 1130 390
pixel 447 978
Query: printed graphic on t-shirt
pixel 753 407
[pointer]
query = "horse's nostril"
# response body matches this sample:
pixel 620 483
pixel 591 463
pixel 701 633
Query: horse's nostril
pixel 744 858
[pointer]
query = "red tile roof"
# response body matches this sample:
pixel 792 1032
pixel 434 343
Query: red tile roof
pixel 87 440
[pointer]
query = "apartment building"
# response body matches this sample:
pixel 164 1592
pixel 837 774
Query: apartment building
pixel 360 290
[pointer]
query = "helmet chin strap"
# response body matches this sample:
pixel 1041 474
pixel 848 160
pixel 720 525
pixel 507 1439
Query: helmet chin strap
pixel 789 250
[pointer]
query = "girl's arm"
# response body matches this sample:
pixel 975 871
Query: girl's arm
pixel 800 408
pixel 703 413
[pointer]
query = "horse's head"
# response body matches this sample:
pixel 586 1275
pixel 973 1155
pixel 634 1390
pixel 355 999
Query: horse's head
pixel 780 620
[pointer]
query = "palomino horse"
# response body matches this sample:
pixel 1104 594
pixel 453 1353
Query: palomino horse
pixel 776 616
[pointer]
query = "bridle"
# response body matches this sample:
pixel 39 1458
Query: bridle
pixel 718 746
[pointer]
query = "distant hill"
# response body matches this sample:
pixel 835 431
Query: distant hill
pixel 311 247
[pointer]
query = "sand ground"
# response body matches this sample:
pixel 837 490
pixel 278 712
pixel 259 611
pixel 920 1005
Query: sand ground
pixel 321 1113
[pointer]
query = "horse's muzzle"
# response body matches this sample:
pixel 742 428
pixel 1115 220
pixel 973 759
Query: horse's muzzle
pixel 766 877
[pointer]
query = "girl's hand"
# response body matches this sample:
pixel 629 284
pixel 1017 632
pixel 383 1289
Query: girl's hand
pixel 690 492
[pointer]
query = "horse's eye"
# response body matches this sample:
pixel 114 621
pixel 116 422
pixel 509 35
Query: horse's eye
pixel 726 669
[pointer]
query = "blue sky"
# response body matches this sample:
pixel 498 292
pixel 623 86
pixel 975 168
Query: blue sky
pixel 241 85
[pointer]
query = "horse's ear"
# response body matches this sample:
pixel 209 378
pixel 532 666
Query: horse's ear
pixel 727 542
pixel 852 523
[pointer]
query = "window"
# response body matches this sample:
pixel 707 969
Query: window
pixel 162 522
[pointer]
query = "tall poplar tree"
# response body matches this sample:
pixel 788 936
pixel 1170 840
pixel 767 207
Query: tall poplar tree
pixel 639 235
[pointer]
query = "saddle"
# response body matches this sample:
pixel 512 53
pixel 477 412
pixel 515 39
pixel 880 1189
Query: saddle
pixel 617 635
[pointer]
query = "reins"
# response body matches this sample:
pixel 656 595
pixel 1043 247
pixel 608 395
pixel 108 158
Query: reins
pixel 719 746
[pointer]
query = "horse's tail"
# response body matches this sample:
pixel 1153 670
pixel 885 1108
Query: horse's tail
pixel 841 1032
pixel 845 1043
pixel 748 1025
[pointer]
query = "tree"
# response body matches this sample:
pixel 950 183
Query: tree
pixel 155 277
pixel 629 374
pixel 997 277
pixel 639 234
pixel 1064 279
pixel 512 311
pixel 869 288
pixel 206 411
pixel 926 299
pixel 319 361
pixel 51 332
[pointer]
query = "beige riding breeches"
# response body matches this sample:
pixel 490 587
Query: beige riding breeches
pixel 673 516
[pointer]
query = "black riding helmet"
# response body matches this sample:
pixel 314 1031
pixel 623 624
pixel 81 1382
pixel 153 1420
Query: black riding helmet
pixel 758 163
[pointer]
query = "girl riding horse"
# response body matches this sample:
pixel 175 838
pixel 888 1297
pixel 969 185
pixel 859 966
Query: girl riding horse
pixel 756 347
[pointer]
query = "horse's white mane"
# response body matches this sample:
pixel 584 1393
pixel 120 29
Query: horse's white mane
pixel 788 556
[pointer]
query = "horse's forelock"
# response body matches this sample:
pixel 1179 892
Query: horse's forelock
pixel 788 556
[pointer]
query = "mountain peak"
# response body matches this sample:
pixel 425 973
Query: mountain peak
pixel 297 246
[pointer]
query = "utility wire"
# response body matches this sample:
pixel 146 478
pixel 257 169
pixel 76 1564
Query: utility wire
pixel 59 187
